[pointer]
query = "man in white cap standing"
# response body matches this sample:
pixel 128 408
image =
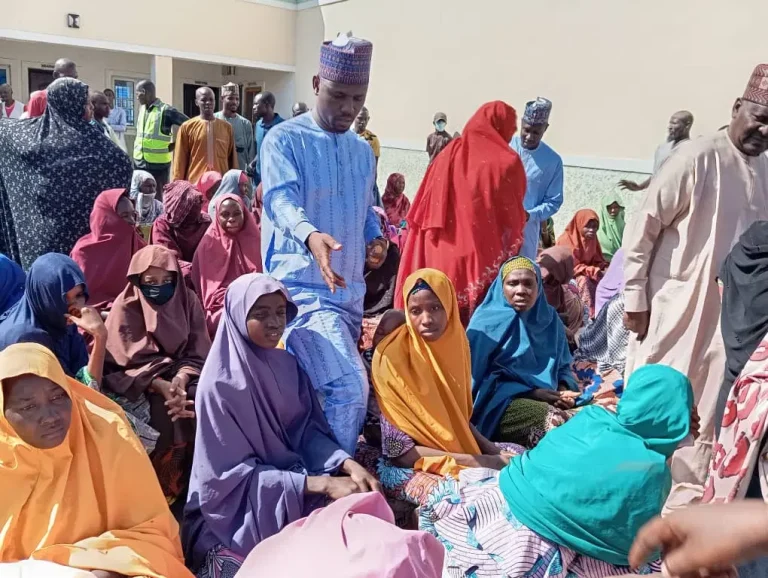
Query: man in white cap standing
pixel 318 180
pixel 543 169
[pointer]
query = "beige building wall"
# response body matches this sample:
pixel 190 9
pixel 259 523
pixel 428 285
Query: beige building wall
pixel 615 70
pixel 227 31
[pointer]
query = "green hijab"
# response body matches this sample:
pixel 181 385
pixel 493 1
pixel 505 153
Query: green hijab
pixel 592 483
pixel 611 230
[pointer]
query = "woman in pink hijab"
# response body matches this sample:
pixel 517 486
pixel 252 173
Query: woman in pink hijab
pixel 354 537
pixel 230 247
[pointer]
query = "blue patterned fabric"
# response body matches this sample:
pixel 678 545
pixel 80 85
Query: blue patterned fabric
pixel 319 181
pixel 544 193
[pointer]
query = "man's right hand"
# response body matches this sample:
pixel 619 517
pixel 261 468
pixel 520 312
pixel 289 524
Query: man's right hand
pixel 637 323
pixel 321 245
pixel 626 185
pixel 705 540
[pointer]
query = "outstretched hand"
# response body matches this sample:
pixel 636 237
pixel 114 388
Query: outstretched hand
pixel 627 185
pixel 321 245
pixel 705 540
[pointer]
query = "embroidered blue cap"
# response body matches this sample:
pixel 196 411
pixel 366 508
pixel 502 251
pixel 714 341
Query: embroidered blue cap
pixel 346 60
pixel 537 111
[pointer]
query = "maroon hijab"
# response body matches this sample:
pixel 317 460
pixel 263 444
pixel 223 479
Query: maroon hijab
pixel 105 253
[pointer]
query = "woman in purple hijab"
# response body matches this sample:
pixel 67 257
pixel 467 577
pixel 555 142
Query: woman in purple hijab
pixel 612 282
pixel 264 453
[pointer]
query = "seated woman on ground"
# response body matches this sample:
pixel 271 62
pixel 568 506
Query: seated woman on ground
pixel 148 208
pixel 230 248
pixel 105 253
pixel 522 381
pixel 182 226
pixel 208 184
pixel 603 342
pixel 581 237
pixel 12 281
pixel 611 231
pixel 264 452
pixel 572 505
pixel 380 280
pixel 370 455
pixel 394 201
pixel 556 266
pixel 78 489
pixel 234 182
pixel 50 313
pixel 421 375
pixel 612 282
pixel 156 349
pixel 353 537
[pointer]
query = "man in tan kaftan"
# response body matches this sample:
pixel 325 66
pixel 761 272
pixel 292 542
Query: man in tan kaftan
pixel 703 198
pixel 204 143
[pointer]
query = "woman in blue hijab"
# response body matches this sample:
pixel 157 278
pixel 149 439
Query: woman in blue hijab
pixel 522 381
pixel 50 313
pixel 11 284
pixel 572 505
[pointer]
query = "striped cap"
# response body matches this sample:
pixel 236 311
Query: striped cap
pixel 757 89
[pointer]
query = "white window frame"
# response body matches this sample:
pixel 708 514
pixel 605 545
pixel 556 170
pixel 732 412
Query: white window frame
pixel 135 78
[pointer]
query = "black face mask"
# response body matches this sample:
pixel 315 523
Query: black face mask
pixel 158 294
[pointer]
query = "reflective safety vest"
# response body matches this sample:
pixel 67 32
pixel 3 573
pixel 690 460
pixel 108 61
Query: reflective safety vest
pixel 152 143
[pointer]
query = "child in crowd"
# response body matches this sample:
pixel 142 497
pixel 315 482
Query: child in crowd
pixel 580 236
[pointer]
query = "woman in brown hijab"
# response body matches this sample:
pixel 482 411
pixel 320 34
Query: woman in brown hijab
pixel 556 274
pixel 156 348
pixel 183 224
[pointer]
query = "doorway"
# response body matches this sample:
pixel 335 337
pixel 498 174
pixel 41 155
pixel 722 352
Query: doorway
pixel 39 79
pixel 190 108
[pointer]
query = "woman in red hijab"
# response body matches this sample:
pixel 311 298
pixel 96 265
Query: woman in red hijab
pixel 105 253
pixel 208 184
pixel 38 100
pixel 580 236
pixel 230 248
pixel 183 223
pixel 396 204
pixel 467 218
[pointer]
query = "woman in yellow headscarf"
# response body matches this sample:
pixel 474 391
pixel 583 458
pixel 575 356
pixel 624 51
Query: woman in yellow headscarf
pixel 77 488
pixel 421 375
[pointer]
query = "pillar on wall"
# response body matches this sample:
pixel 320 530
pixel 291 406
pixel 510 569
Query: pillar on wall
pixel 162 76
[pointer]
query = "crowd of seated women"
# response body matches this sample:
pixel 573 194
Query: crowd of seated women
pixel 142 384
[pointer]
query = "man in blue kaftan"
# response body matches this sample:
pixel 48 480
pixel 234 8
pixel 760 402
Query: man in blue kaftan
pixel 318 179
pixel 543 169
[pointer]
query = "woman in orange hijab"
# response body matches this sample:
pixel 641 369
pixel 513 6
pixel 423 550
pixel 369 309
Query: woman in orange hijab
pixel 580 236
pixel 77 487
pixel 421 375
pixel 467 218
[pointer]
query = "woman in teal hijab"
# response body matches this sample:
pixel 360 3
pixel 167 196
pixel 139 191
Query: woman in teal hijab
pixel 522 382
pixel 572 505
pixel 611 231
